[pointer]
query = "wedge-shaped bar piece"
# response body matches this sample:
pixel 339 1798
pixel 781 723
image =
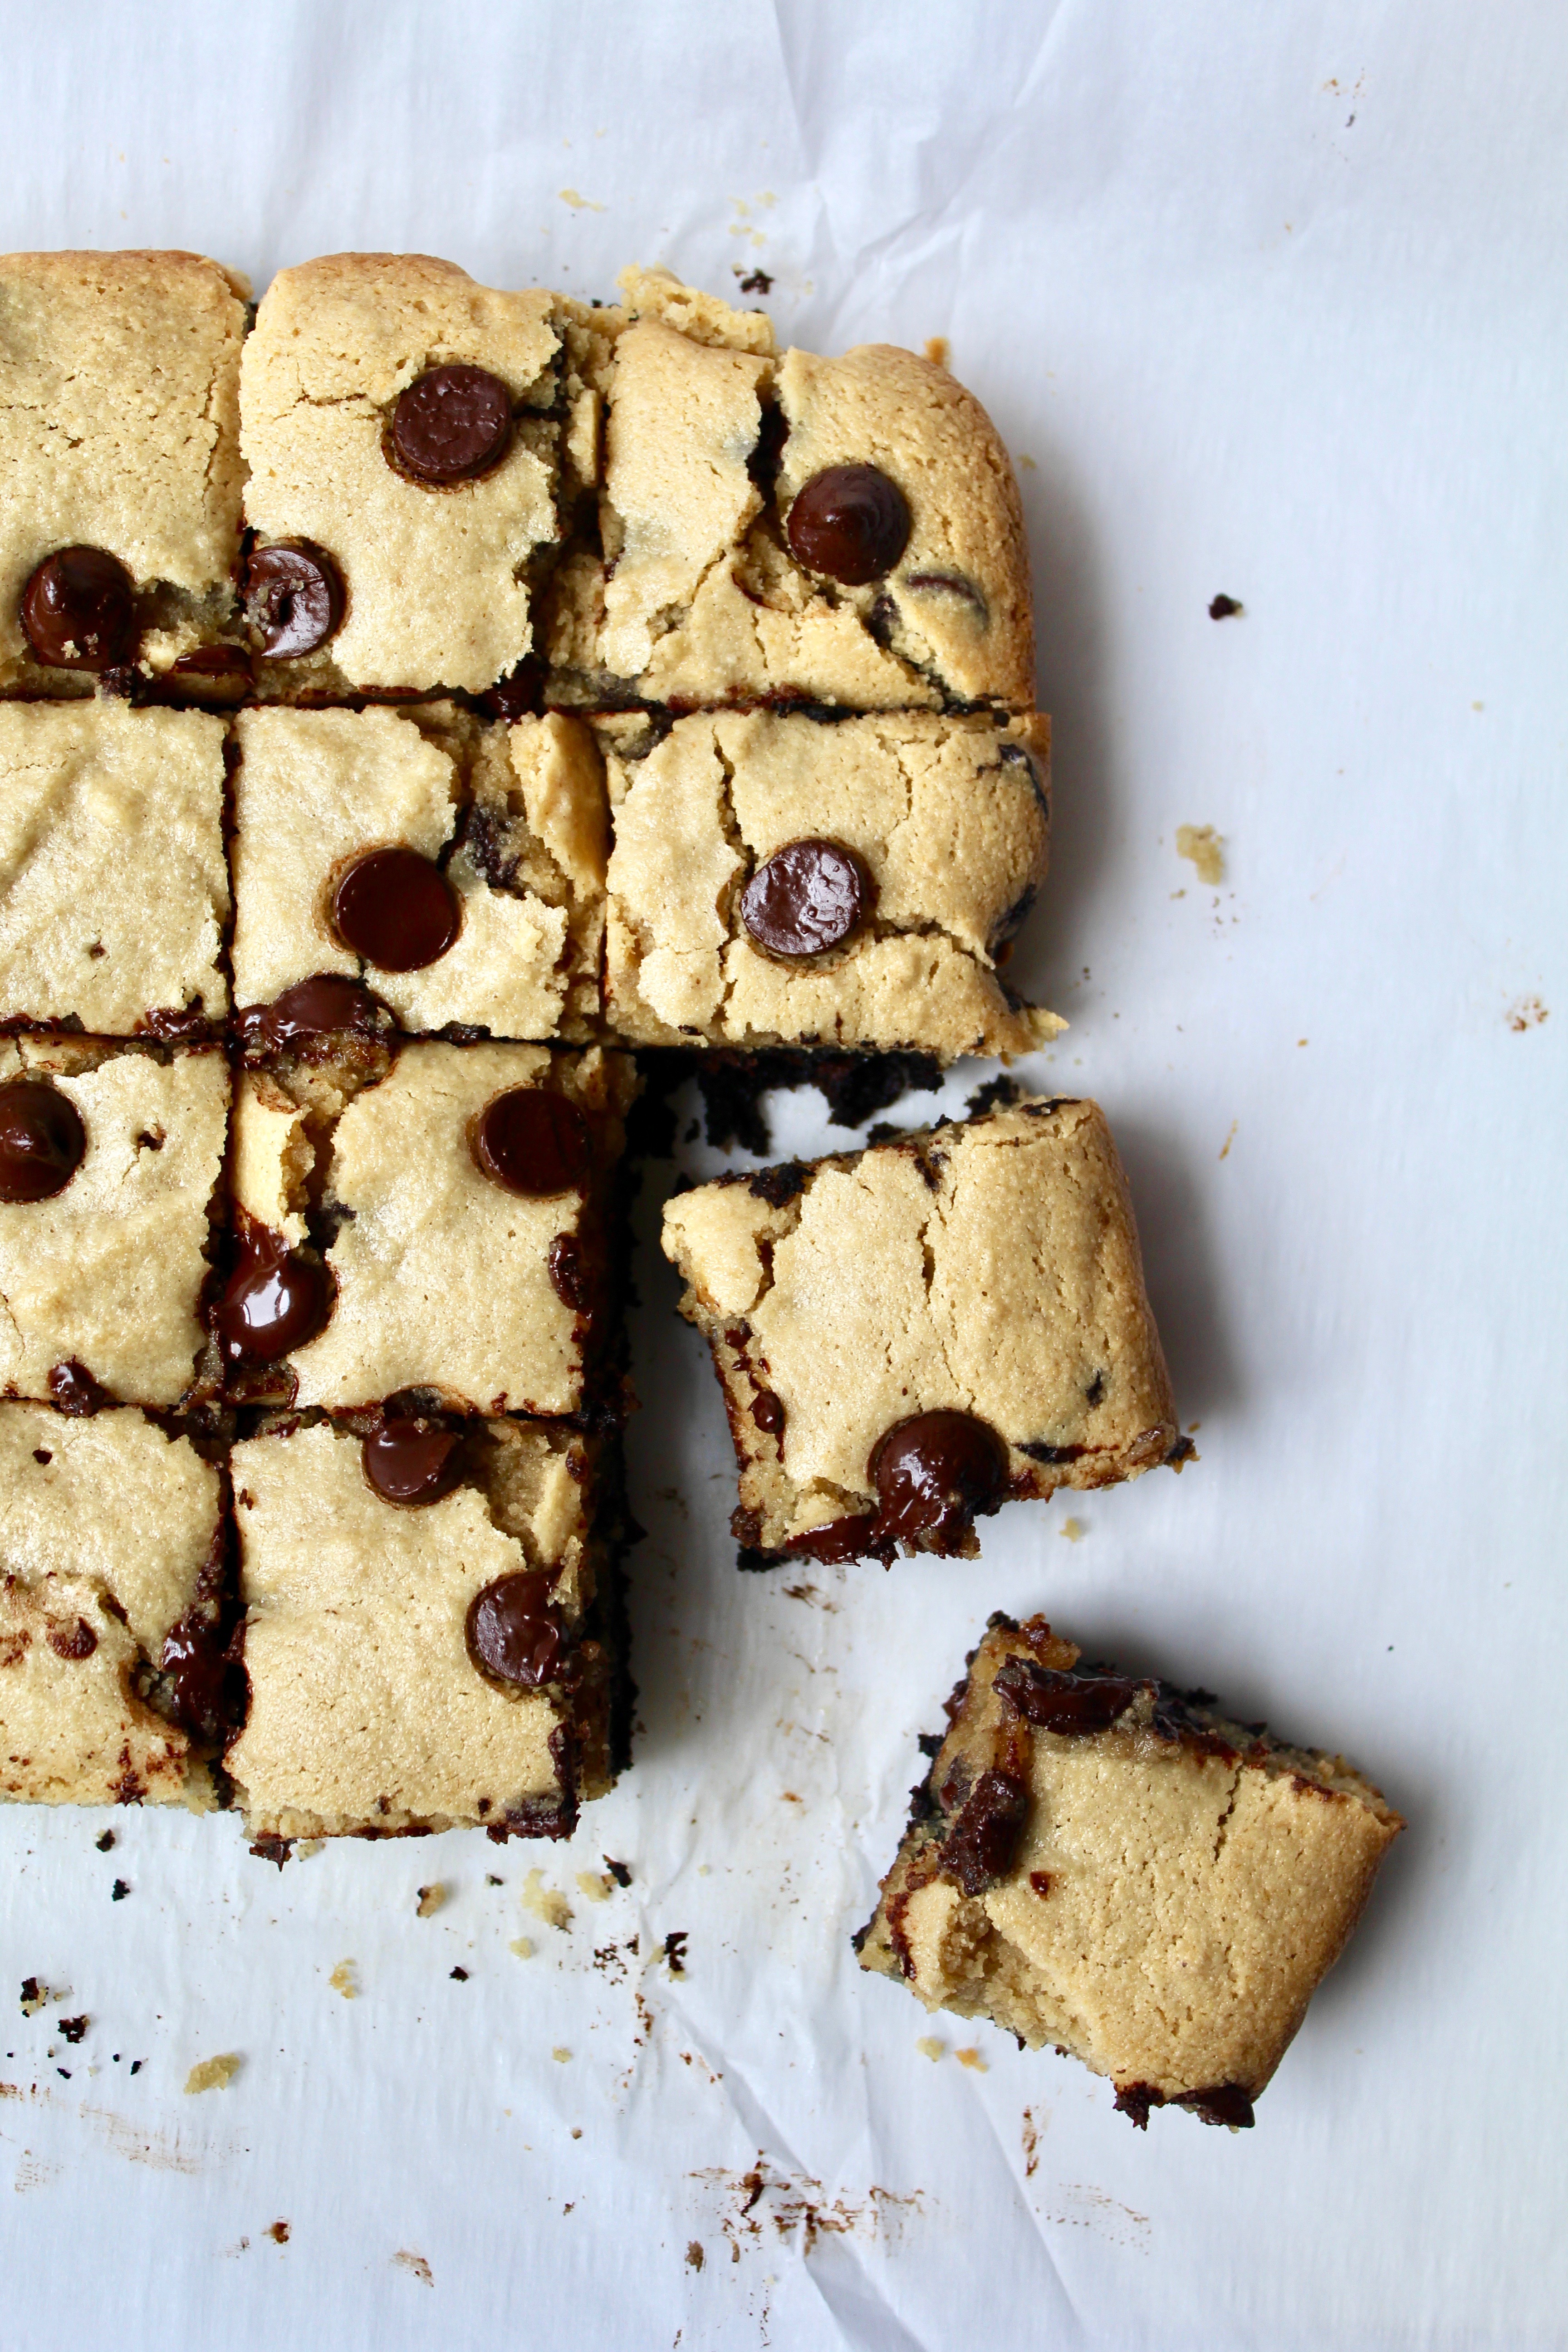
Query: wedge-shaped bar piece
pixel 1100 1861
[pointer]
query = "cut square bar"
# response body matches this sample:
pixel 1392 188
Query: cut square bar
pixel 1100 1861
pixel 914 1334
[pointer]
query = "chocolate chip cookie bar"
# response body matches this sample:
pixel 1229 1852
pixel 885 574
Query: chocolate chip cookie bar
pixel 457 870
pixel 779 880
pixel 111 1551
pixel 110 1160
pixel 786 527
pixel 914 1334
pixel 1102 1862
pixel 113 883
pixel 408 433
pixel 436 1218
pixel 119 459
pixel 424 1635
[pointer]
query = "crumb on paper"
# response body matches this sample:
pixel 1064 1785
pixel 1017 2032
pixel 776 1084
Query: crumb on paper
pixel 1226 608
pixel 1031 2143
pixel 430 1901
pixel 1028 463
pixel 522 1947
pixel 1230 1138
pixel 71 2029
pixel 765 2202
pixel 597 1886
pixel 580 204
pixel 308 1847
pixel 36 1994
pixel 972 2060
pixel 675 1951
pixel 278 2231
pixel 695 2257
pixel 1529 1013
pixel 620 1871
pixel 562 2057
pixel 120 1890
pixel 104 1842
pixel 1074 1531
pixel 1204 848
pixel 930 2047
pixel 416 2263
pixel 546 1903
pixel 937 350
pixel 1300 1041
pixel 459 1975
pixel 343 1980
pixel 213 2073
pixel 755 282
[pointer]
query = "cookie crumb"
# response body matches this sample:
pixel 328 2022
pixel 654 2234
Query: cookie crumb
pixel 1074 1531
pixel 34 1994
pixel 562 2057
pixel 213 2073
pixel 1204 848
pixel 596 1888
pixel 580 204
pixel 546 1903
pixel 695 2257
pixel 522 1947
pixel 430 1901
pixel 930 2047
pixel 937 350
pixel 972 2060
pixel 104 1842
pixel 343 1980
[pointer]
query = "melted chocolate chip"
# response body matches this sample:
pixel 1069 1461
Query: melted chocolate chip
pixel 933 1472
pixel 73 1642
pixel 850 523
pixel 412 1461
pixel 533 1142
pixel 294 595
pixel 948 583
pixel 1222 2102
pixel 1038 1451
pixel 78 610
pixel 855 1538
pixel 396 910
pixel 1075 1706
pixel 274 1300
pixel 981 1846
pixel 75 1392
pixel 568 1277
pixel 451 424
pixel 312 1008
pixel 519 695
pixel 512 1632
pixel 1134 2100
pixel 42 1140
pixel 212 661
pixel 768 1412
pixel 810 896
pixel 205 1683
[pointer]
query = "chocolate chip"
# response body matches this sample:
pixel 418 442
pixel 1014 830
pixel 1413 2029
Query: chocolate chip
pixel 854 1537
pixel 933 1472
pixel 768 1412
pixel 274 1300
pixel 41 1453
pixel 396 910
pixel 294 595
pixel 212 661
pixel 78 610
pixel 411 1461
pixel 1222 609
pixel 533 1142
pixel 519 695
pixel 319 1007
pixel 75 1391
pixel 569 1276
pixel 451 424
pixel 73 1642
pixel 1222 2102
pixel 205 1683
pixel 42 1140
pixel 850 523
pixel 1075 1706
pixel 514 1634
pixel 810 896
pixel 980 1847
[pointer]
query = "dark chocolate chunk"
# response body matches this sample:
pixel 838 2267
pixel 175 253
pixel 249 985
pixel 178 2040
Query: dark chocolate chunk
pixel 756 281
pixel 512 1632
pixel 451 424
pixel 569 1276
pixel 73 1642
pixel 206 1682
pixel 212 661
pixel 412 1460
pixel 1222 2102
pixel 1134 2101
pixel 519 695
pixel 850 523
pixel 294 595
pixel 620 1871
pixel 42 1140
pixel 78 610
pixel 996 1094
pixel 533 1142
pixel 1040 1882
pixel 768 1412
pixel 781 1185
pixel 319 1007
pixel 71 2029
pixel 933 1472
pixel 1038 1450
pixel 856 1537
pixel 75 1391
pixel 274 1300
pixel 809 897
pixel 981 1846
pixel 396 910
pixel 772 432
pixel 1222 609
pixel 1076 1705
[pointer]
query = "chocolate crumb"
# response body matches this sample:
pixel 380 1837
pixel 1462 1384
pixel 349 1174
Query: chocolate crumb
pixel 117 1894
pixel 755 282
pixel 620 1871
pixel 73 2028
pixel 104 1841
pixel 996 1094
pixel 1224 607
pixel 459 1976
pixel 675 1951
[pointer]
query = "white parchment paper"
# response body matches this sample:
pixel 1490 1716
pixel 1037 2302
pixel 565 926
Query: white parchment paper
pixel 1268 302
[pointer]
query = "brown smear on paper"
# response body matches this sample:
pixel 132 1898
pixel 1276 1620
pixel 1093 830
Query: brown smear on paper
pixel 1529 1013
pixel 766 2203
pixel 409 2261
pixel 138 2143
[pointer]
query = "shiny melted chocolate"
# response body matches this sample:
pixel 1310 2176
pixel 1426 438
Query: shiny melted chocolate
pixel 42 1140
pixel 533 1142
pixel 78 610
pixel 451 424
pixel 412 1460
pixel 396 910
pixel 294 595
pixel 275 1299
pixel 514 1634
pixel 933 1474
pixel 810 896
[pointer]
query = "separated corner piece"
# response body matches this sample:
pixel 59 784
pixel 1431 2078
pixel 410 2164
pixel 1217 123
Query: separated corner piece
pixel 1102 1862
pixel 431 1627
pixel 910 1336
pixel 120 527
pixel 115 1609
